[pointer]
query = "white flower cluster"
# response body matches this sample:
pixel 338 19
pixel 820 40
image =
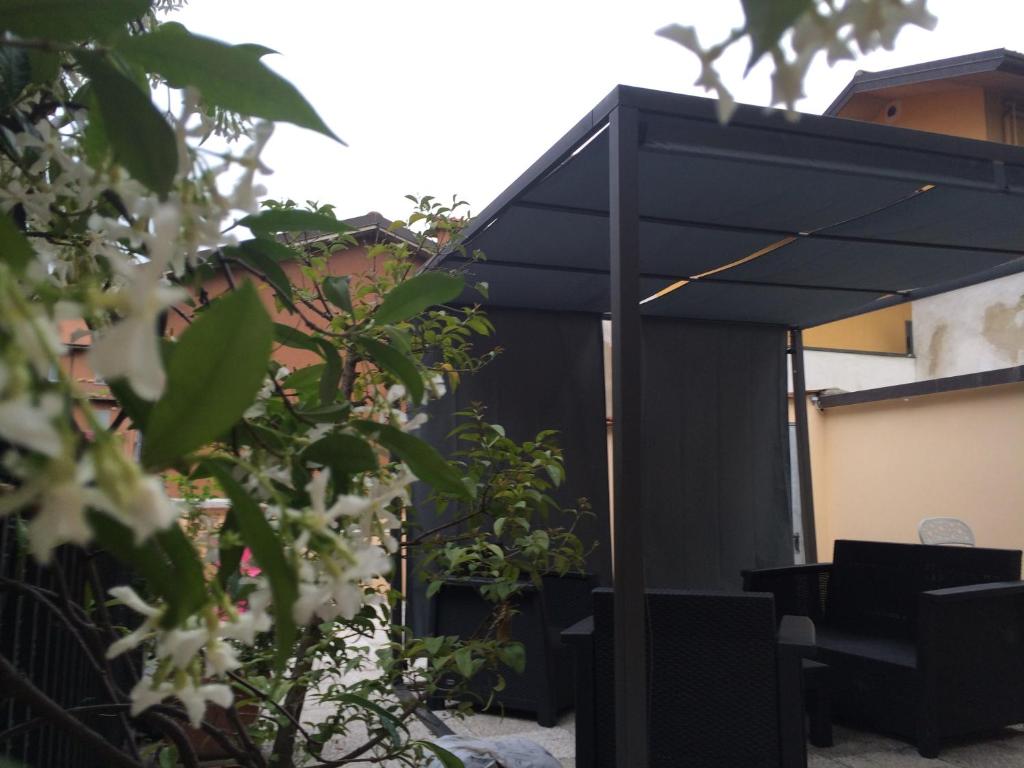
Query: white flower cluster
pixel 344 546
pixel 185 656
pixel 830 27
pixel 111 277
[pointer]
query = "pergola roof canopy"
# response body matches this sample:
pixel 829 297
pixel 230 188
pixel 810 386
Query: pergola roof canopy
pixel 762 220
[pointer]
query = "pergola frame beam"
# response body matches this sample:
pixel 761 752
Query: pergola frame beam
pixel 627 447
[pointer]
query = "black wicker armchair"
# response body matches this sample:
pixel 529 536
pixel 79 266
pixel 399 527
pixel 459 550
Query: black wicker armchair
pixel 723 692
pixel 923 642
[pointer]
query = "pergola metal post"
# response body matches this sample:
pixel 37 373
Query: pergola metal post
pixel 630 623
pixel 803 447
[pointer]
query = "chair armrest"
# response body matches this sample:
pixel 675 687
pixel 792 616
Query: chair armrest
pixel 970 646
pixel 799 590
pixel 580 632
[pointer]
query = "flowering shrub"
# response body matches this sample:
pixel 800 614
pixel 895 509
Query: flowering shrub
pixel 115 216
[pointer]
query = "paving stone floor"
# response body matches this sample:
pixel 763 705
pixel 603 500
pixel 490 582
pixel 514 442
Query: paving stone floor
pixel 852 749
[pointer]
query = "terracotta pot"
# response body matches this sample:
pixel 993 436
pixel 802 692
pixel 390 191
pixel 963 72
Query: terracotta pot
pixel 206 746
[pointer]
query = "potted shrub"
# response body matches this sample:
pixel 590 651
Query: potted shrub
pixel 512 567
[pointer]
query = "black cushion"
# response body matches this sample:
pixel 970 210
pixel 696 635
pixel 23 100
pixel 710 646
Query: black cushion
pixel 888 650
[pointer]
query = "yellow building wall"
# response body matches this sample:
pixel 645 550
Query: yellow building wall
pixel 878 468
pixel 956 110
pixel 881 331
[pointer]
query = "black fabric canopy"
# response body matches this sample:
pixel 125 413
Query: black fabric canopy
pixel 769 221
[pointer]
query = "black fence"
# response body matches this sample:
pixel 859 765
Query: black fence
pixel 38 642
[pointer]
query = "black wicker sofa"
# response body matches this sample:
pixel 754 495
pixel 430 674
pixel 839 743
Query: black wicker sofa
pixel 924 642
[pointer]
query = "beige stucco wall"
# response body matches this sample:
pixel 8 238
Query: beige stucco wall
pixel 878 468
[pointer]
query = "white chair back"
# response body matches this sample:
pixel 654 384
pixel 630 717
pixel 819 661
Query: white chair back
pixel 945 530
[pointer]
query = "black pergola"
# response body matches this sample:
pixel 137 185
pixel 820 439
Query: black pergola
pixel 648 206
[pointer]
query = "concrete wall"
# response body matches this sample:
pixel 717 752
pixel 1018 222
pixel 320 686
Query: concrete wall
pixel 980 328
pixel 852 372
pixel 878 468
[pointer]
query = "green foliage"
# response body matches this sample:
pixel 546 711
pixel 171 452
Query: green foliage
pixel 230 76
pixel 396 363
pixel 275 220
pixel 424 461
pixel 213 374
pixel 69 20
pixel 767 20
pixel 15 74
pixel 140 138
pixel 265 256
pixel 417 294
pixel 506 535
pixel 106 165
pixel 345 455
pixel 13 244
pixel 337 292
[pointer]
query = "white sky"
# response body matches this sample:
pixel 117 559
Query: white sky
pixel 458 97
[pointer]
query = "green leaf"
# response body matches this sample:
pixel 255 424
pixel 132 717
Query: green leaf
pixel 15 74
pixel 387 719
pixel 231 76
pixel 68 20
pixel 464 662
pixel 278 220
pixel 262 256
pixel 44 65
pixel 514 654
pixel 395 363
pixel 14 246
pixel 555 472
pixel 214 373
pixel 334 413
pixel 167 561
pixel 142 141
pixel 768 20
pixel 138 410
pixel 294 338
pixel 433 589
pixel 446 758
pixel 266 547
pixel 336 291
pixel 425 462
pixel 304 378
pixel 346 455
pixel 416 294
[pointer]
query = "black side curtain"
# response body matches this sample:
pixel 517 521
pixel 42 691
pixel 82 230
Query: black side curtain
pixel 716 458
pixel 549 375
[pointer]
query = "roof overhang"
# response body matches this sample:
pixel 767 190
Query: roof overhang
pixel 762 220
pixel 996 68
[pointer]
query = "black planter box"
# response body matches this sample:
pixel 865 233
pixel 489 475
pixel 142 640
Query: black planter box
pixel 546 686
